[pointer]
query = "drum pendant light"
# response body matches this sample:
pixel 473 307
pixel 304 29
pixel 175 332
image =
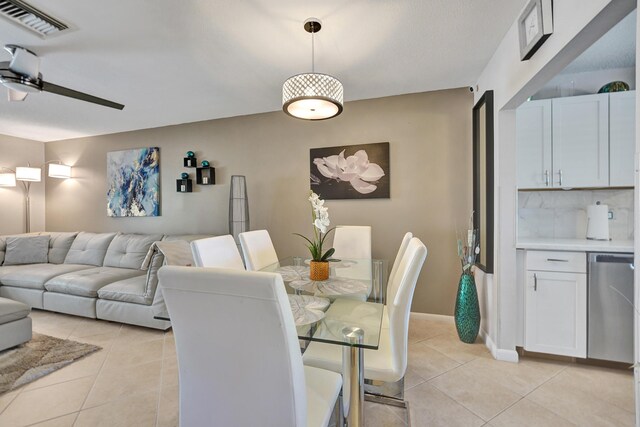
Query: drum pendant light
pixel 312 96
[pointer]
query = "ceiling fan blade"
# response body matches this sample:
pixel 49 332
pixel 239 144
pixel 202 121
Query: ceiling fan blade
pixel 59 90
pixel 16 95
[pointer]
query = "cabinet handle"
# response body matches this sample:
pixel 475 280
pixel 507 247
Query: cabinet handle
pixel 546 177
pixel 557 260
pixel 560 172
pixel 535 282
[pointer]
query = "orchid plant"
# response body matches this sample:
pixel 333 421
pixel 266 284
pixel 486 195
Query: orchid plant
pixel 320 217
pixel 468 248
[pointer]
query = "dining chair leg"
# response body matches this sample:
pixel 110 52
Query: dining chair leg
pixel 385 388
pixel 391 401
pixel 385 400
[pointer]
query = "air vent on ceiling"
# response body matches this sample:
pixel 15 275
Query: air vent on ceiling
pixel 30 17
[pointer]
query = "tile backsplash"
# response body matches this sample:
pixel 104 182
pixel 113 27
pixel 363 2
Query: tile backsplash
pixel 563 214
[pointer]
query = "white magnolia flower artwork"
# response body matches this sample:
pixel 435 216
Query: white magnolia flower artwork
pixel 341 174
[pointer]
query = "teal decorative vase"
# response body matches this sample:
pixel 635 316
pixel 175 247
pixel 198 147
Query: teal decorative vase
pixel 467 314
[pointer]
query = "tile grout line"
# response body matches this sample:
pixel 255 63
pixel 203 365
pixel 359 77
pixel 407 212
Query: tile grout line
pixel 459 403
pixel 98 373
pixel 531 391
pixel 23 388
pixel 164 342
pixel 55 418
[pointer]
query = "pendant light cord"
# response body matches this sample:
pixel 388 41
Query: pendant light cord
pixel 313 53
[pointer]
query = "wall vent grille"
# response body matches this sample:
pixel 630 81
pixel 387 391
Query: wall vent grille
pixel 30 18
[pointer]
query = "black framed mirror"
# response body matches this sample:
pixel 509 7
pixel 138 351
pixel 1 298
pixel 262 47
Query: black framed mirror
pixel 483 179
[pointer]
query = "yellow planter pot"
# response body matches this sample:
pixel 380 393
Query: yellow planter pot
pixel 319 270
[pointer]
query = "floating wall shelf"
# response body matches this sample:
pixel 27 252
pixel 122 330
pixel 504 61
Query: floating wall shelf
pixel 206 175
pixel 184 185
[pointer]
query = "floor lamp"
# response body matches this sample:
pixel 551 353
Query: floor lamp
pixel 28 174
pixel 238 206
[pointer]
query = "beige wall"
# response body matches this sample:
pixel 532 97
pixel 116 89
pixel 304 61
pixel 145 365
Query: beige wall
pixel 430 143
pixel 18 152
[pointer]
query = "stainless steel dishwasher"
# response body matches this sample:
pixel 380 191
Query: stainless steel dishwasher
pixel 610 314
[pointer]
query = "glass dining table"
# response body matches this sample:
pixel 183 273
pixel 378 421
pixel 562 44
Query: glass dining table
pixel 345 310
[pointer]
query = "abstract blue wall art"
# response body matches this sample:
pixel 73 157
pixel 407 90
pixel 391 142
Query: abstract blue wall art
pixel 133 180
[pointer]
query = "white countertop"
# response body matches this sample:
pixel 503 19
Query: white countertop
pixel 585 245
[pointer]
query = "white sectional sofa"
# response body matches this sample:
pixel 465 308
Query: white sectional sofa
pixel 96 275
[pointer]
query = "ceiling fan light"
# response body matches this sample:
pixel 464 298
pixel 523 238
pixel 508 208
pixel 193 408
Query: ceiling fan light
pixel 7 179
pixel 28 174
pixel 312 96
pixel 59 171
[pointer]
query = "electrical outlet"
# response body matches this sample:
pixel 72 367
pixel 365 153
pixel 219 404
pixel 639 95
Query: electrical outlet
pixel 610 214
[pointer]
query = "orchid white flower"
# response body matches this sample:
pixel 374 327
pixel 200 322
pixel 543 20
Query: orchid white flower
pixel 321 222
pixel 356 169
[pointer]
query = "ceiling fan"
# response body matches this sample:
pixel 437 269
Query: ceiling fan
pixel 21 76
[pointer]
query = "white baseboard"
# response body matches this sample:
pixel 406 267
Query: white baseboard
pixel 498 353
pixel 433 317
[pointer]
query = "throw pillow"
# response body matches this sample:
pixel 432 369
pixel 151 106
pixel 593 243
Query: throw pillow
pixel 27 250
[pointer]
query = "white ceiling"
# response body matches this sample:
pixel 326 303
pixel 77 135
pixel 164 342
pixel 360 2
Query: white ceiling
pixel 174 62
pixel 616 49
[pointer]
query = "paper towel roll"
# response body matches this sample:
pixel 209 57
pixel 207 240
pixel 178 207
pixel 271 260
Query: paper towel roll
pixel 598 222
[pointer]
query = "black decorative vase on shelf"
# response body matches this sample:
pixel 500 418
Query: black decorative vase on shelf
pixel 467 311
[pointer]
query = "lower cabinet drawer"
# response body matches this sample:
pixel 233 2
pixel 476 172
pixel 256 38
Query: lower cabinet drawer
pixel 569 262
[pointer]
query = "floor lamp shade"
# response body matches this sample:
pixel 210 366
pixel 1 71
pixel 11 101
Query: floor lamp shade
pixel 29 174
pixel 238 206
pixel 7 179
pixel 59 171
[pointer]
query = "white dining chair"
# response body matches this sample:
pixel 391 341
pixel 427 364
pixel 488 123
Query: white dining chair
pixel 391 290
pixel 352 242
pixel 403 248
pixel 238 357
pixel 257 249
pixel 388 363
pixel 219 251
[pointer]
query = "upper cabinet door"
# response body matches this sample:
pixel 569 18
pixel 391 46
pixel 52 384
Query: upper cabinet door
pixel 581 141
pixel 533 144
pixel 622 138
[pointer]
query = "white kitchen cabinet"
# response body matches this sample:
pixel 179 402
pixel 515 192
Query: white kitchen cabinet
pixel 556 303
pixel 576 142
pixel 533 124
pixel 622 138
pixel 580 132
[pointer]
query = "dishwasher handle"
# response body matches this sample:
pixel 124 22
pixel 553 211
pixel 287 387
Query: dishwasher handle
pixel 611 258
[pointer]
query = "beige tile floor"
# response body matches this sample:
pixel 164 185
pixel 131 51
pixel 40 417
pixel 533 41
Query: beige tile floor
pixel 133 381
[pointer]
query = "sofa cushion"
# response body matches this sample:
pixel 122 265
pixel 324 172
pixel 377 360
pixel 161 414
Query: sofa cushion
pixel 59 245
pixel 12 310
pixel 26 250
pixel 3 243
pixel 34 276
pixel 86 283
pixel 128 290
pixel 129 250
pixel 89 248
